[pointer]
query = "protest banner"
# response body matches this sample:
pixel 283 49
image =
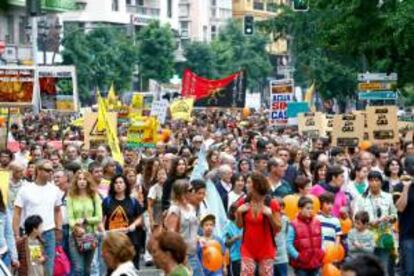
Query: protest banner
pixel 406 122
pixel 17 85
pixel 348 130
pixel 181 109
pixel 4 184
pixel 328 124
pixel 159 109
pixel 92 136
pixel 293 110
pixel 382 124
pixel 142 133
pixel 310 124
pixel 58 88
pixel 281 93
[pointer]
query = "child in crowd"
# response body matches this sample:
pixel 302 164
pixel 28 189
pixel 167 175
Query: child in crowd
pixel 282 259
pixel 331 227
pixel 233 236
pixel 306 257
pixel 30 248
pixel 207 224
pixel 360 238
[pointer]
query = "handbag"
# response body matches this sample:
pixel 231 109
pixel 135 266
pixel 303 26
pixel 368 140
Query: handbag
pixel 87 241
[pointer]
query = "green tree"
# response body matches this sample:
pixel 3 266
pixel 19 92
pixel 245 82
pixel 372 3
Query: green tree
pixel 102 57
pixel 200 59
pixel 156 46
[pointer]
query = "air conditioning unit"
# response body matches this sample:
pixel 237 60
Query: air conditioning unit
pixel 10 53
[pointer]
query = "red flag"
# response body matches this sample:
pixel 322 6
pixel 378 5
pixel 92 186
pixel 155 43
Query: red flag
pixel 199 88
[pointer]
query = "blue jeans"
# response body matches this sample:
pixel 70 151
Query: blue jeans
pixel 195 264
pixel 280 269
pixel 301 272
pixel 49 240
pixel 386 260
pixel 407 257
pixel 65 239
pixel 81 262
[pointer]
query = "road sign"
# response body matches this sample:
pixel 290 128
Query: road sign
pixel 382 95
pixel 365 86
pixel 2 47
pixel 377 77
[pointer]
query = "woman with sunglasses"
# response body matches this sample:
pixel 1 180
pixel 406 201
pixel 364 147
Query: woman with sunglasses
pixel 382 214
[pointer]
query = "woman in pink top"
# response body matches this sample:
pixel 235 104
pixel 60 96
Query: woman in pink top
pixel 334 181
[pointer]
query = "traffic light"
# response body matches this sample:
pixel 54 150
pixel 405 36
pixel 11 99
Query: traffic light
pixel 248 25
pixel 300 5
pixel 33 8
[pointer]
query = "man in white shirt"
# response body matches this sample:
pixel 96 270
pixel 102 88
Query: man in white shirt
pixel 41 198
pixel 223 185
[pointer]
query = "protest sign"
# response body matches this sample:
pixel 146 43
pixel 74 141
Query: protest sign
pixel 328 124
pixel 382 124
pixel 293 110
pixel 253 100
pixel 17 85
pixel 58 88
pixel 142 133
pixel 181 109
pixel 281 93
pixel 348 130
pixel 159 109
pixel 4 185
pixel 93 137
pixel 310 124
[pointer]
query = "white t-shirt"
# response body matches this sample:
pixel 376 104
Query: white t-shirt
pixel 155 192
pixel 39 200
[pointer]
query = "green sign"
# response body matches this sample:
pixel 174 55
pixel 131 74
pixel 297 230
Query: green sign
pixel 49 5
pixel 383 95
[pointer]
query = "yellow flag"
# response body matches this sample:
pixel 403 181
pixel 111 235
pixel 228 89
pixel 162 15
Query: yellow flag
pixel 78 122
pixel 309 94
pixel 112 99
pixel 100 125
pixel 181 109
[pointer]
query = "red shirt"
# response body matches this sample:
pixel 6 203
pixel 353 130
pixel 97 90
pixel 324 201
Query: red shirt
pixel 258 242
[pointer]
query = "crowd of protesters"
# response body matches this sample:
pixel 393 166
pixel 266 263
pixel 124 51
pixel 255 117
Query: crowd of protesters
pixel 223 177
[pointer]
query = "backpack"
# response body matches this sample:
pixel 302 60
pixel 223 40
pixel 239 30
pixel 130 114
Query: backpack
pixel 267 202
pixel 62 263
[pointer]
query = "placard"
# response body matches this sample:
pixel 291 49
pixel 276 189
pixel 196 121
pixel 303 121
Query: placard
pixel 92 136
pixel 17 85
pixel 364 114
pixel 328 124
pixel 311 124
pixel 142 133
pixel 58 88
pixel 159 109
pixel 348 130
pixel 4 184
pixel 281 93
pixel 383 124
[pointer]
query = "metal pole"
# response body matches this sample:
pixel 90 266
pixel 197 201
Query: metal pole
pixel 36 95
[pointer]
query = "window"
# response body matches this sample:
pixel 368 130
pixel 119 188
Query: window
pixel 169 8
pixel 213 32
pixel 205 30
pixel 115 5
pixel 258 5
pixel 213 12
pixel 213 3
pixel 128 2
pixel 10 29
pixel 22 30
pixel 184 29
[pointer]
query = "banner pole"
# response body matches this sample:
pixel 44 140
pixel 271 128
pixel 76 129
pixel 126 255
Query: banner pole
pixel 7 126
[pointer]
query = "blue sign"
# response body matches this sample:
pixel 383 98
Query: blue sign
pixel 294 108
pixel 382 95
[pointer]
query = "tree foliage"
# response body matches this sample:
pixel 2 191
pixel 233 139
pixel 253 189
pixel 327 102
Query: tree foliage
pixel 102 56
pixel 229 53
pixel 156 46
pixel 336 39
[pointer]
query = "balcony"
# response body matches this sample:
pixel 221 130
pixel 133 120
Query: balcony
pixel 143 10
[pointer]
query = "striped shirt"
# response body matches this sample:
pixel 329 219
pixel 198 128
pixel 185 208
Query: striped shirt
pixel 331 228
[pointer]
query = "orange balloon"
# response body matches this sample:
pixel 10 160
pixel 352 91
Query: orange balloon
pixel 215 244
pixel 246 112
pixel 346 225
pixel 212 258
pixel 334 253
pixel 330 270
pixel 365 145
pixel 316 203
pixel 291 206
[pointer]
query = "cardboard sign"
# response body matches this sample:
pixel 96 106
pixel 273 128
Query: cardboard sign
pixel 159 109
pixel 281 93
pixel 310 124
pixel 382 124
pixel 348 130
pixel 328 125
pixel 364 114
pixel 92 136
